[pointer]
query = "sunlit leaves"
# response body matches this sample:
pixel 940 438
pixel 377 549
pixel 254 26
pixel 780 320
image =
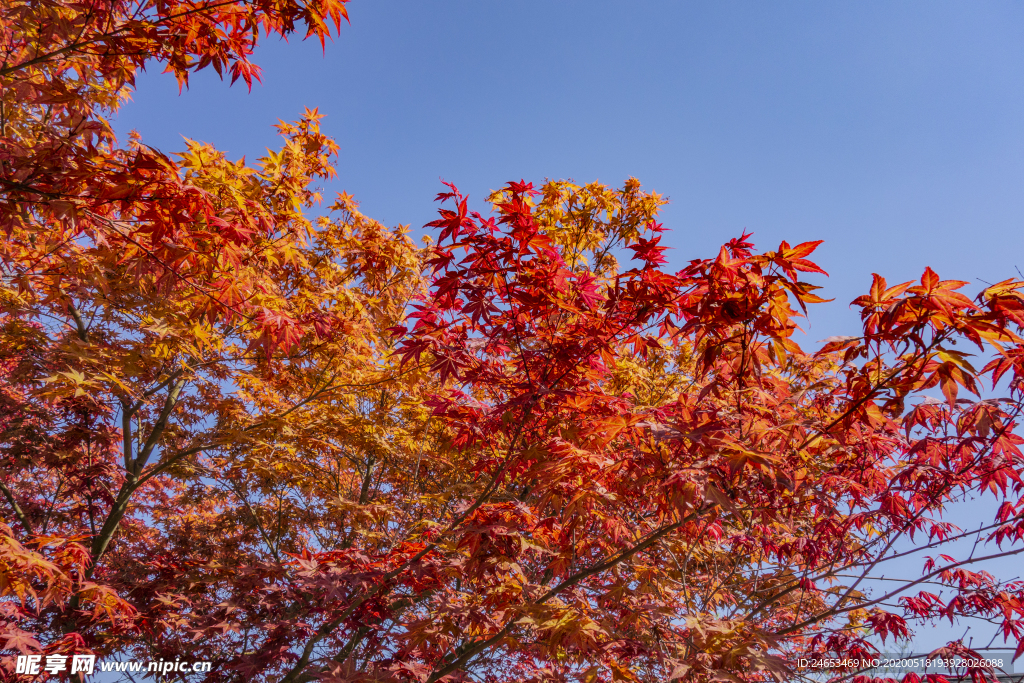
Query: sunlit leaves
pixel 279 436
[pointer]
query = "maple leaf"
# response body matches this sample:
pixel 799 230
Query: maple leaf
pixel 648 250
pixel 22 642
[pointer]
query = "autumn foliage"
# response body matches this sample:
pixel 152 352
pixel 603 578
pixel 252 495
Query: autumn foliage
pixel 239 426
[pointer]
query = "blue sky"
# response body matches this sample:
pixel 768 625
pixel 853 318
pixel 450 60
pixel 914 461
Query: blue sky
pixel 891 130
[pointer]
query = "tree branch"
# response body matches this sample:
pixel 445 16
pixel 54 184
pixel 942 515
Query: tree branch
pixel 474 649
pixel 83 330
pixel 134 467
pixel 158 429
pixel 17 509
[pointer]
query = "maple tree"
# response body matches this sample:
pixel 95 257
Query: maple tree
pixel 242 429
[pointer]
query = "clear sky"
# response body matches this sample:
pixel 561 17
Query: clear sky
pixel 891 130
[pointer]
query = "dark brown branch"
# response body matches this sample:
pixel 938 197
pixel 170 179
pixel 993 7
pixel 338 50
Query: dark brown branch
pixel 83 330
pixel 18 512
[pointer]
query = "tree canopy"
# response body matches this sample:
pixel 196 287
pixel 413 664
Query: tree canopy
pixel 239 426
